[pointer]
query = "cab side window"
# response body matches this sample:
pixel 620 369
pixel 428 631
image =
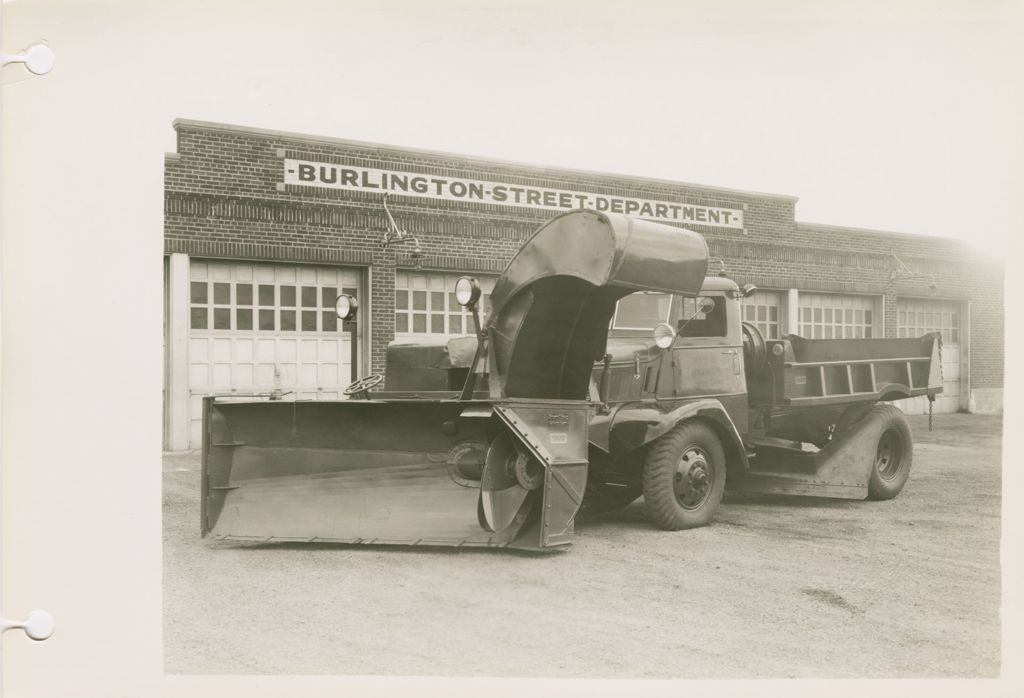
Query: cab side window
pixel 703 316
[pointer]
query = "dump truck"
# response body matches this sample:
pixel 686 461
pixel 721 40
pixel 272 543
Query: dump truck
pixel 609 366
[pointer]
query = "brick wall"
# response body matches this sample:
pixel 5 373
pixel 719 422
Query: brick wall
pixel 224 198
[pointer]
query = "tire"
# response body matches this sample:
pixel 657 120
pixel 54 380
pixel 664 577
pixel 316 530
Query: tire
pixel 684 477
pixel 894 454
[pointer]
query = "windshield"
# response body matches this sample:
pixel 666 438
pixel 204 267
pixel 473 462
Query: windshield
pixel 641 311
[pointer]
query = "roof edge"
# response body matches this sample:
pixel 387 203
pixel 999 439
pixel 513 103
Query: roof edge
pixel 881 233
pixel 543 169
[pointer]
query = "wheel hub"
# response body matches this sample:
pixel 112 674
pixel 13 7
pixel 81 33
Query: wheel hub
pixel 887 458
pixel 692 481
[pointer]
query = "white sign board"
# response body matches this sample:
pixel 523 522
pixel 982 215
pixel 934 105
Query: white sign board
pixel 318 174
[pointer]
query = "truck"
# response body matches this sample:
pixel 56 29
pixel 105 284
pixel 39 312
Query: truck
pixel 609 366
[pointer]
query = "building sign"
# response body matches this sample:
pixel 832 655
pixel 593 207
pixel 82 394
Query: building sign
pixel 367 179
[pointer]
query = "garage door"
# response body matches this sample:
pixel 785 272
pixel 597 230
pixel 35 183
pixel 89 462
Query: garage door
pixel 915 317
pixel 259 328
pixel 425 305
pixel 836 316
pixel 763 309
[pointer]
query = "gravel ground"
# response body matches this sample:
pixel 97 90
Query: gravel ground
pixel 775 587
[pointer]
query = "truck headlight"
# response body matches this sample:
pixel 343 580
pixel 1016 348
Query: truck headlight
pixel 664 335
pixel 346 307
pixel 467 291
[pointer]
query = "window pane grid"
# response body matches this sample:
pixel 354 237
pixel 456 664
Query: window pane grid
pixel 425 304
pixel 824 316
pixel 762 309
pixel 919 317
pixel 245 306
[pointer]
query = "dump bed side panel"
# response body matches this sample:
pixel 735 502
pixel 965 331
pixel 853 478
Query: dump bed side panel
pixel 815 372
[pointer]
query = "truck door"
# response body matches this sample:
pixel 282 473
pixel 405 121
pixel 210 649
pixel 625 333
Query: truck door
pixel 706 359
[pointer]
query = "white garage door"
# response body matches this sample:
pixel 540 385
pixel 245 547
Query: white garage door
pixel 837 316
pixel 917 316
pixel 425 304
pixel 258 328
pixel 764 309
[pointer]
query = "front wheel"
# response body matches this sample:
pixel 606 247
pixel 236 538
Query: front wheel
pixel 893 455
pixel 684 477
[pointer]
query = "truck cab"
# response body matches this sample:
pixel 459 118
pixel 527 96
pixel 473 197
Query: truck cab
pixel 705 359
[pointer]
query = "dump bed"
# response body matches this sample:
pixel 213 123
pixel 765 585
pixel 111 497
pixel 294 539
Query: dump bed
pixel 814 372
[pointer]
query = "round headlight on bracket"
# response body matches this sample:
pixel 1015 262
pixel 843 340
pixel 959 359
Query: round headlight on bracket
pixel 346 307
pixel 467 291
pixel 664 335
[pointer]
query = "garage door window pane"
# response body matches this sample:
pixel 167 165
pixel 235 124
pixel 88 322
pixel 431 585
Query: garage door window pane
pixel 243 319
pixel 401 323
pixel 309 320
pixel 199 319
pixel 243 294
pixel 199 291
pixel 309 297
pixel 288 296
pixel 287 320
pixel 328 296
pixel 222 294
pixel 222 318
pixel 330 320
pixel 419 323
pixel 267 320
pixel 266 297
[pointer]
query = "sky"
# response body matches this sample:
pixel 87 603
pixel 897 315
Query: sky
pixel 896 116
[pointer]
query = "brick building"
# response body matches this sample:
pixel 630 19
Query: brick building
pixel 263 229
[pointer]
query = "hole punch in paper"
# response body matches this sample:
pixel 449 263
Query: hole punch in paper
pixel 38 626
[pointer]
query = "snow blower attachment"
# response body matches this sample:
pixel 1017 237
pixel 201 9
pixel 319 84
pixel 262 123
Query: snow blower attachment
pixel 500 460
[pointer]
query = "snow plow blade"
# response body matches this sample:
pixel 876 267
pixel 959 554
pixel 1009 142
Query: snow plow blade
pixel 408 472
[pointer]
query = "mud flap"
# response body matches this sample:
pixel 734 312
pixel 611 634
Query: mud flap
pixel 841 469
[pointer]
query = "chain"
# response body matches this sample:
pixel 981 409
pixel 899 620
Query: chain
pixel 931 398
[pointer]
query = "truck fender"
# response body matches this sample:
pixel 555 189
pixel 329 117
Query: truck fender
pixel 635 426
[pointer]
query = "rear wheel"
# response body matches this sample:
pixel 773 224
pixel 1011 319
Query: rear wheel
pixel 684 477
pixel 893 455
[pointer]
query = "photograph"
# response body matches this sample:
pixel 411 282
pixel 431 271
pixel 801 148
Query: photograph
pixel 435 348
